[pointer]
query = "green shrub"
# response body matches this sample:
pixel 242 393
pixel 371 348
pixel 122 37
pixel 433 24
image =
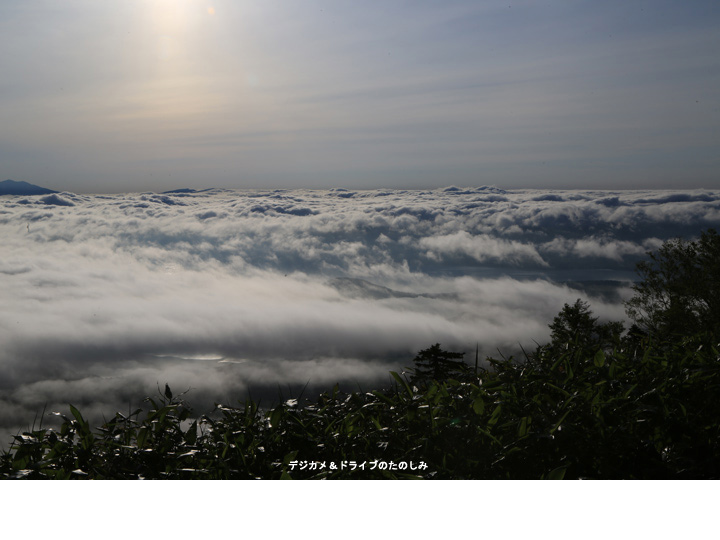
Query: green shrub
pixel 622 414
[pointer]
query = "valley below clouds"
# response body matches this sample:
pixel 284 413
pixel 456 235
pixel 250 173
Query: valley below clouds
pixel 105 298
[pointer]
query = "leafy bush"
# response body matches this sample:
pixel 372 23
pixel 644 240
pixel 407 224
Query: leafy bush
pixel 679 291
pixel 624 414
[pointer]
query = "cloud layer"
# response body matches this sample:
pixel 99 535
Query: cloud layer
pixel 225 292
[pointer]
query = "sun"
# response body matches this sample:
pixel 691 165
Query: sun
pixel 170 16
pixel 175 23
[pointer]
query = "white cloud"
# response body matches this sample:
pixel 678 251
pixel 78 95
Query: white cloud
pixel 106 298
pixel 482 248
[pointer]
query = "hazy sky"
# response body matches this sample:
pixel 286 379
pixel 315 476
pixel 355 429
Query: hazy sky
pixel 138 95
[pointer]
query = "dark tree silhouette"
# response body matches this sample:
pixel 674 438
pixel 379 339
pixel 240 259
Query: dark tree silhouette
pixel 680 288
pixel 434 364
pixel 575 327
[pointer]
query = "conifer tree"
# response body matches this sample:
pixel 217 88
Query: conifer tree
pixel 575 327
pixel 434 364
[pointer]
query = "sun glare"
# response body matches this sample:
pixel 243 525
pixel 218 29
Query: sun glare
pixel 173 94
pixel 174 23
pixel 170 16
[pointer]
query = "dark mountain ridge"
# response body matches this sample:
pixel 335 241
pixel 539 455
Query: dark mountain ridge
pixel 12 187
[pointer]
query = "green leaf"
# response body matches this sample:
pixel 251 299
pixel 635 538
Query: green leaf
pixel 564 392
pixel 557 474
pixel 554 429
pixel 84 426
pixel 77 414
pixel 402 383
pixel 599 358
pixel 191 434
pixel 289 457
pixel 478 405
pixel 488 434
pixel 684 411
pixel 142 437
pixel 495 416
pixel 383 397
pixel 523 427
pixel 275 416
pixel 629 391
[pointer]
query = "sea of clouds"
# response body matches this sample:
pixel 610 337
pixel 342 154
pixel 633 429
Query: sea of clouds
pixel 105 298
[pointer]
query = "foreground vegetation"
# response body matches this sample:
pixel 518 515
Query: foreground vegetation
pixel 595 402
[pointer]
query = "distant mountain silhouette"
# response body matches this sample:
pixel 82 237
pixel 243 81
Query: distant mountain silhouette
pixel 181 190
pixel 359 288
pixel 11 187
